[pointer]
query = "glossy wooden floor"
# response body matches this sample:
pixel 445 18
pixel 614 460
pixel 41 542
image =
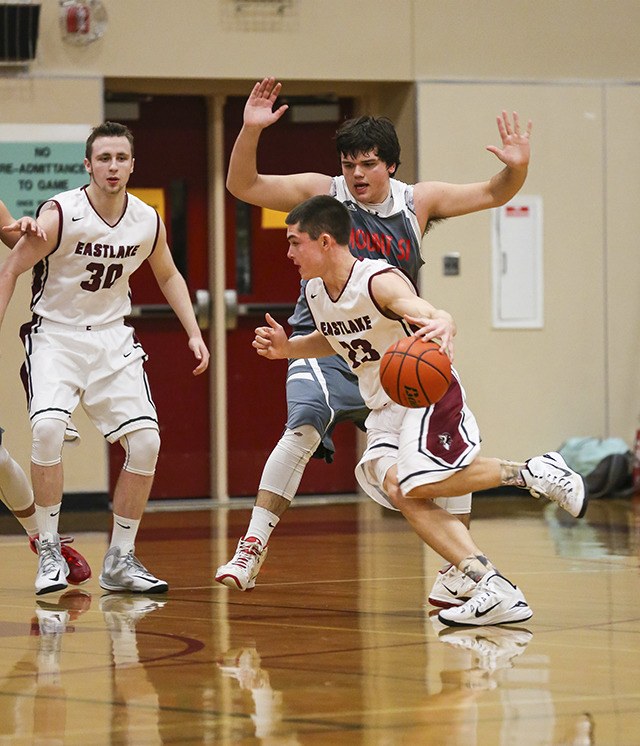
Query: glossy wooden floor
pixel 336 644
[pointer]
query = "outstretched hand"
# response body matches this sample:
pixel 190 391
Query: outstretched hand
pixel 25 225
pixel 271 341
pixel 515 151
pixel 258 111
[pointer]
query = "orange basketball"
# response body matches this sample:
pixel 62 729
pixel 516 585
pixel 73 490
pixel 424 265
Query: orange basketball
pixel 415 373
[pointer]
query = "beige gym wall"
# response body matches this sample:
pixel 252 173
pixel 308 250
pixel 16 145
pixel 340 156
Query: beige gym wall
pixel 531 388
pixel 564 63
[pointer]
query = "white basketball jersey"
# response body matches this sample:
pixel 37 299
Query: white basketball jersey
pixel 356 327
pixel 85 279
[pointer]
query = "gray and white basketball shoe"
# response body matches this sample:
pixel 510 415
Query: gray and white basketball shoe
pixel 125 572
pixel 52 567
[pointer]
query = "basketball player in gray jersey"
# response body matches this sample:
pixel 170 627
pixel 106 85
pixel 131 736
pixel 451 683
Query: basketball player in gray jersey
pixel 389 219
pixel 79 349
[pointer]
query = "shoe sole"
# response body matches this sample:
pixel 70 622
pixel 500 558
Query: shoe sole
pixel 441 603
pixel 230 581
pixel 484 623
pixel 585 501
pixel 51 589
pixel 160 588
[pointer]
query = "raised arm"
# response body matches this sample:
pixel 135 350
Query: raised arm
pixel 437 199
pixel 267 190
pixel 175 290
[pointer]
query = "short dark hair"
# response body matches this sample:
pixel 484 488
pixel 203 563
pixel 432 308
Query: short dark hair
pixel 322 214
pixel 107 129
pixel 367 134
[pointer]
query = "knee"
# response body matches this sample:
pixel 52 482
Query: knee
pixel 301 441
pixel 47 441
pixel 141 451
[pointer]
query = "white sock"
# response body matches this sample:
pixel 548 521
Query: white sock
pixel 48 517
pixel 261 525
pixel 124 533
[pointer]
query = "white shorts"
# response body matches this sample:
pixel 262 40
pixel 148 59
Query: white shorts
pixel 101 367
pixel 428 445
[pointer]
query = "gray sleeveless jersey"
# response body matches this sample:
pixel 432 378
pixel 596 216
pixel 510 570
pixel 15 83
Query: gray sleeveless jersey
pixel 394 237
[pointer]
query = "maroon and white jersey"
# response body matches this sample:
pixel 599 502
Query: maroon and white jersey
pixel 85 278
pixel 355 326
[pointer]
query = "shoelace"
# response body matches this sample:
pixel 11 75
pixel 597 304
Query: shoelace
pixel 247 551
pixel 49 557
pixel 558 489
pixel 133 563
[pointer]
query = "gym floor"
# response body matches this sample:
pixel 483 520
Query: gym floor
pixel 336 644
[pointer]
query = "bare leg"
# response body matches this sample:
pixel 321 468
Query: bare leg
pixel 444 533
pixel 481 474
pixel 47 484
pixel 131 494
pixel 272 502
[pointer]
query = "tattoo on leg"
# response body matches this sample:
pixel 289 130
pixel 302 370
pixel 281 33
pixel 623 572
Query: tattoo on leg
pixel 475 566
pixel 511 474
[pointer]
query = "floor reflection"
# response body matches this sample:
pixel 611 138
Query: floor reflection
pixel 244 667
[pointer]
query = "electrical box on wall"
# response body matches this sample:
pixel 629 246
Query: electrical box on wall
pixel 517 264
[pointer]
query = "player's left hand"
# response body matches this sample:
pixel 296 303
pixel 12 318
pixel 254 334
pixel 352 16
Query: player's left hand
pixel 441 328
pixel 515 151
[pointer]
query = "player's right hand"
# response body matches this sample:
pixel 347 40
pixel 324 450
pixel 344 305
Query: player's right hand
pixel 270 341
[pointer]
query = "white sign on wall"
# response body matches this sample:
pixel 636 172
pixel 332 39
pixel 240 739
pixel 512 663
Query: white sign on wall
pixel 38 161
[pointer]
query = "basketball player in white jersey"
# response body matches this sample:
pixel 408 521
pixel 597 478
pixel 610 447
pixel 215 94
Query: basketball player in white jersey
pixel 389 219
pixel 79 349
pixel 407 462
pixel 15 490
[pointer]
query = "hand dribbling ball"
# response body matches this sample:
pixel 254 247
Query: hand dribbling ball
pixel 415 373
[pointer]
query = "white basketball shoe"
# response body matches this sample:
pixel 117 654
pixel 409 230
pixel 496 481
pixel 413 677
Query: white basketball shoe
pixel 451 588
pixel 241 571
pixel 550 476
pixel 496 601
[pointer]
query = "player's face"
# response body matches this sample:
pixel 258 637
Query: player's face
pixel 305 252
pixel 367 177
pixel 111 164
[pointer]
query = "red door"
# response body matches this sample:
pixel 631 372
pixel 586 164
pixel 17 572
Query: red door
pixel 171 155
pixel 257 268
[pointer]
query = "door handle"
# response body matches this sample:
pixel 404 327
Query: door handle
pixel 201 308
pixel 235 310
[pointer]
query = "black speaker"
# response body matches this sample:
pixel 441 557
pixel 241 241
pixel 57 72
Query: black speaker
pixel 18 32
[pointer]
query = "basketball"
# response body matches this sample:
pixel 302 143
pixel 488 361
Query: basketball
pixel 415 373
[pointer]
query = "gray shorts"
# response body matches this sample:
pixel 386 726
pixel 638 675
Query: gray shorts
pixel 322 392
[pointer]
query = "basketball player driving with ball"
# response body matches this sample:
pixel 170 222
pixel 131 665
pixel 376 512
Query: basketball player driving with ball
pixel 359 308
pixel 389 219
